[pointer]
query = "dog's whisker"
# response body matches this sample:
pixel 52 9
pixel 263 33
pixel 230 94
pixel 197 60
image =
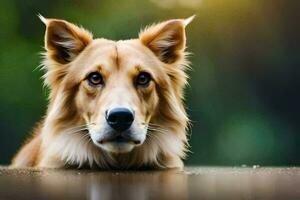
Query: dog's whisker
pixel 152 136
pixel 83 131
pixel 79 128
pixel 154 133
pixel 76 127
pixel 86 137
pixel 76 130
pixel 152 124
pixel 160 128
pixel 157 129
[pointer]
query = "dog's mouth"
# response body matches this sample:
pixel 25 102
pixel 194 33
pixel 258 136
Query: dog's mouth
pixel 118 142
pixel 120 139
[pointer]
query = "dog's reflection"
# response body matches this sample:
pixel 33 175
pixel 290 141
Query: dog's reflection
pixel 138 186
pixel 116 185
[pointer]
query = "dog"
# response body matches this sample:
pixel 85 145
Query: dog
pixel 112 104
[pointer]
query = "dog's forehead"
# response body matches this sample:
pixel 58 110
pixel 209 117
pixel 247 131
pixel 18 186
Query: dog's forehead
pixel 121 54
pixel 99 52
pixel 134 51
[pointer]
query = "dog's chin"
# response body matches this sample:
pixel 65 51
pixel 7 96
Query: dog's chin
pixel 116 147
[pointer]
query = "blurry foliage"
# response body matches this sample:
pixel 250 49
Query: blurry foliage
pixel 243 97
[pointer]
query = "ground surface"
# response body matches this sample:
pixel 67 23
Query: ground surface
pixel 192 183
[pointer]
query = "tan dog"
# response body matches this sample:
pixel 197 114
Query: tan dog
pixel 113 104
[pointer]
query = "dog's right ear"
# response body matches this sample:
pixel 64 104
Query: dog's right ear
pixel 64 40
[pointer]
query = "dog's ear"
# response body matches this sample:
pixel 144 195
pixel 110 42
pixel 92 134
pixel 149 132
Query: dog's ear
pixel 64 40
pixel 167 39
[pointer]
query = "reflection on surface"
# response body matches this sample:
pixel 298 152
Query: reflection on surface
pixel 194 183
pixel 139 186
pixel 116 185
pixel 69 184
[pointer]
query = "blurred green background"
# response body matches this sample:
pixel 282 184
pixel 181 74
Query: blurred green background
pixel 244 91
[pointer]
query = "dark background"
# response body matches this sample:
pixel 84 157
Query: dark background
pixel 244 92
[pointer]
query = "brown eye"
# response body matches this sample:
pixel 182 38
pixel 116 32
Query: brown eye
pixel 95 79
pixel 143 79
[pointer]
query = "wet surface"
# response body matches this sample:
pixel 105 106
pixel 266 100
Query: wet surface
pixel 193 183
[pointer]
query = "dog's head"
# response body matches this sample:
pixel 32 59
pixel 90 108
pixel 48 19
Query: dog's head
pixel 121 90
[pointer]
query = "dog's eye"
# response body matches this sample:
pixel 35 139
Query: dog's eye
pixel 95 79
pixel 143 79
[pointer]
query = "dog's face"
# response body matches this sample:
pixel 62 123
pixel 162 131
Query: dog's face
pixel 116 88
pixel 117 92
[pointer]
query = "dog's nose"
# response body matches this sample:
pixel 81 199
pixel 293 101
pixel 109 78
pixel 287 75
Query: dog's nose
pixel 120 119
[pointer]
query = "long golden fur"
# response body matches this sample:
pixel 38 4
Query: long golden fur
pixel 68 135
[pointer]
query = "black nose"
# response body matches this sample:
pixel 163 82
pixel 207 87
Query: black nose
pixel 119 119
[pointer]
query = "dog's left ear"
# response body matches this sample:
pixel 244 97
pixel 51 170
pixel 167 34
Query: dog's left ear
pixel 167 39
